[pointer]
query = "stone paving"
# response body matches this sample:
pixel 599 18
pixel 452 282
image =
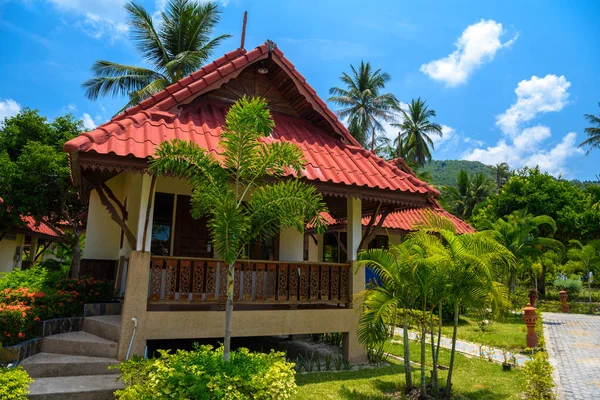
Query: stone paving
pixel 473 349
pixel 573 344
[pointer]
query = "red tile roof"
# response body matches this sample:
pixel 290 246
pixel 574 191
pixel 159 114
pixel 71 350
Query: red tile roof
pixel 140 129
pixel 35 228
pixel 406 219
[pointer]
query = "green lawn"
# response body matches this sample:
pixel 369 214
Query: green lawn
pixel 473 379
pixel 508 334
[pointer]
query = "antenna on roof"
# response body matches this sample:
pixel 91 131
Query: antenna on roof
pixel 244 30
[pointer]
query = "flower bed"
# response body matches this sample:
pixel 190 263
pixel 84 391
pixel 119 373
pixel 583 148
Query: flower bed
pixel 22 309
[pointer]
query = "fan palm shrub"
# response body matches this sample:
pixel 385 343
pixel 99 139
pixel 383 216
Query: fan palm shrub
pixel 237 192
pixel 179 43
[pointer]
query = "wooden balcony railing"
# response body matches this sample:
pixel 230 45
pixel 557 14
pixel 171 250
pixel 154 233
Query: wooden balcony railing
pixel 196 280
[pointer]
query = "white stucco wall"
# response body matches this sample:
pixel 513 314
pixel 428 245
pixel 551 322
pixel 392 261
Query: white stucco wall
pixel 8 249
pixel 291 245
pixel 103 235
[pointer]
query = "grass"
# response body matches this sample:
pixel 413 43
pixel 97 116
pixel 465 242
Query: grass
pixel 508 334
pixel 473 379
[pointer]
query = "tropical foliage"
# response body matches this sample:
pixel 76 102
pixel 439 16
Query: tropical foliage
pixel 35 178
pixel 202 374
pixel 414 142
pixel 362 103
pixel 175 46
pixel 434 267
pixel 468 193
pixel 237 192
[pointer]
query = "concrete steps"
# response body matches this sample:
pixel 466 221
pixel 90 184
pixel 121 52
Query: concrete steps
pixel 44 365
pixel 106 327
pixel 80 344
pixel 84 387
pixel 75 365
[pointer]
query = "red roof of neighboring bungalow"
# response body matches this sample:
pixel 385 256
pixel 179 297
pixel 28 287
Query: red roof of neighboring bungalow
pixel 40 229
pixel 170 114
pixel 406 219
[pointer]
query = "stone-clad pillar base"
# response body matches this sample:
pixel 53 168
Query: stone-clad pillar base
pixel 134 305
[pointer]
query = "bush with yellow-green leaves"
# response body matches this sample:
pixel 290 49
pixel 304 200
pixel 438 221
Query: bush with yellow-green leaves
pixel 203 374
pixel 14 383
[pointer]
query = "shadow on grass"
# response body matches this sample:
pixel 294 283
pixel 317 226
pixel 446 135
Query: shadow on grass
pixel 365 373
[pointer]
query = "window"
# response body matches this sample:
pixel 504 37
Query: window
pixel 331 248
pixel 162 224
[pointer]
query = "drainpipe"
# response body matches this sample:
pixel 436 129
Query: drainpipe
pixel 135 324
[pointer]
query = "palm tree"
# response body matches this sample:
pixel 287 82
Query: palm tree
pixel 502 172
pixel 522 234
pixel 469 192
pixel 238 195
pixel 177 46
pixel 593 141
pixel 468 272
pixel 589 257
pixel 414 141
pixel 362 103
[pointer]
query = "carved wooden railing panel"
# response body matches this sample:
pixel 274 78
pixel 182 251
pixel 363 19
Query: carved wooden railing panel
pixel 196 280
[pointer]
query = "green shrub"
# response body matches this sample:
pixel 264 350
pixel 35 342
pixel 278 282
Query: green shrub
pixel 202 374
pixel 538 373
pixel 14 383
pixel 36 278
pixel 572 286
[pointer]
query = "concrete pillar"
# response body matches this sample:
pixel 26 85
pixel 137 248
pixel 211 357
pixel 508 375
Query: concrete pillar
pixel 291 245
pixel 353 351
pixel 134 305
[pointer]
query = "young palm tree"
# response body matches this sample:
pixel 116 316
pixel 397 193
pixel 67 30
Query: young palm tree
pixel 593 141
pixel 177 46
pixel 469 262
pixel 414 141
pixel 238 193
pixel 469 192
pixel 589 257
pixel 383 303
pixel 362 103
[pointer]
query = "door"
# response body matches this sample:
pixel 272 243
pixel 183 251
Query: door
pixel 191 235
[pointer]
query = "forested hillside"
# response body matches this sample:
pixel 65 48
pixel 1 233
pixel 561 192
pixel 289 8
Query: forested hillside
pixel 444 172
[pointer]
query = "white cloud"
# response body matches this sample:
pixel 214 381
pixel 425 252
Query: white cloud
pixel 88 122
pixel 8 108
pixel 534 96
pixel 527 149
pixel 101 19
pixel 478 44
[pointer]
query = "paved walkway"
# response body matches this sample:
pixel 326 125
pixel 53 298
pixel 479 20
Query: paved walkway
pixel 573 344
pixel 473 349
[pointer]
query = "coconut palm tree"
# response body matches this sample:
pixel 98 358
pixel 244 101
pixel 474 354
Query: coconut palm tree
pixel 175 47
pixel 237 194
pixel 414 141
pixel 502 172
pixel 593 141
pixel 362 103
pixel 469 192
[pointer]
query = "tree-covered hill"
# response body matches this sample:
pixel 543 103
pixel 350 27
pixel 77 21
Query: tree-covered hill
pixel 444 172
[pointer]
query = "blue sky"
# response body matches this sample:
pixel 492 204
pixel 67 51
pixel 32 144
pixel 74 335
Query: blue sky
pixel 510 80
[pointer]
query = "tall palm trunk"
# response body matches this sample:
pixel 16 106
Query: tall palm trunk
pixel 75 255
pixel 423 334
pixel 434 371
pixel 407 367
pixel 399 144
pixel 453 351
pixel 373 141
pixel 228 312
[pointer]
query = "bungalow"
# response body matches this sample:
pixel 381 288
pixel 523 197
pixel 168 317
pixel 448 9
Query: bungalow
pixel 163 260
pixel 21 246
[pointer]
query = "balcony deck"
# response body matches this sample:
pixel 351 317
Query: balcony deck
pixel 200 284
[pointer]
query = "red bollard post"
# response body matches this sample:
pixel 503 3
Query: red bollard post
pixel 533 296
pixel 530 317
pixel 563 297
